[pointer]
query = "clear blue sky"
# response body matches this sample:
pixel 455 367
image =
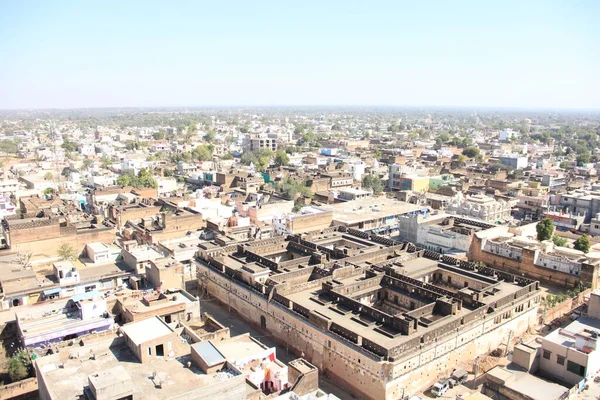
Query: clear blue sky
pixel 523 53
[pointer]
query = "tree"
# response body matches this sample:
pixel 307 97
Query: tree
pixel 582 244
pixel 374 183
pixel 560 241
pixel 564 165
pixel 87 163
pixel 247 158
pixel 160 135
pixel 48 176
pixel 471 151
pixel 583 158
pixel 19 366
pixel 544 229
pixel 48 191
pixel 210 136
pixel 378 154
pixel 202 153
pixel 66 252
pixel 8 146
pixel 281 158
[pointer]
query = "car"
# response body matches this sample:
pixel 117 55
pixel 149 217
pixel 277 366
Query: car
pixel 440 387
pixel 458 377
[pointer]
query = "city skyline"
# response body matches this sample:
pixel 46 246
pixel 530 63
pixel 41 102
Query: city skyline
pixel 504 55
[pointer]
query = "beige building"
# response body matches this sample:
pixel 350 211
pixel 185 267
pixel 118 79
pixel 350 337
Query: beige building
pixel 381 318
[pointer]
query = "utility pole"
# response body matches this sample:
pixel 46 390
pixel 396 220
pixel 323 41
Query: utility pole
pixel 510 334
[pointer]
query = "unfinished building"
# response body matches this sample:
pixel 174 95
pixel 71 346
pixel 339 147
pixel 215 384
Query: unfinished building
pixel 383 318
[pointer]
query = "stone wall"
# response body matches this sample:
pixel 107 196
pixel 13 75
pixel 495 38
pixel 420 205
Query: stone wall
pixel 525 265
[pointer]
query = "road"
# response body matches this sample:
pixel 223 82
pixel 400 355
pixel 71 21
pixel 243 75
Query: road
pixel 238 326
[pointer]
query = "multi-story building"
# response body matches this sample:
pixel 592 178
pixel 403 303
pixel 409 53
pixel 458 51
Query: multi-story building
pixel 383 319
pixel 511 251
pixel 584 202
pixel 441 233
pixel 256 143
pixel 481 207
pixel 514 161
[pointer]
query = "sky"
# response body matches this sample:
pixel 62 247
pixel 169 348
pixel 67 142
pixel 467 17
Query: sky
pixel 80 54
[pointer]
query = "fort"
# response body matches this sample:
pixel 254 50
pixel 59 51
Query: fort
pixel 381 317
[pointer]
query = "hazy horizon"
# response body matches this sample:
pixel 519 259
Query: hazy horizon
pixel 502 55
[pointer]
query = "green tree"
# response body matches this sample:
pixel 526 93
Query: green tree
pixel 378 154
pixel 202 153
pixel 248 158
pixel 210 136
pixel 471 151
pixel 160 135
pixel 19 366
pixel 48 176
pixel 564 165
pixel 583 158
pixel 582 244
pixel 544 229
pixel 87 163
pixel 560 241
pixel 281 158
pixel 374 183
pixel 66 252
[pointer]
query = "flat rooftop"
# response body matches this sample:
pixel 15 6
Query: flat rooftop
pixel 157 302
pixel 531 386
pixel 68 381
pixel 367 209
pixel 145 330
pixel 564 336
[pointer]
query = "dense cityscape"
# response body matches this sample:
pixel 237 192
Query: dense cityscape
pixel 299 253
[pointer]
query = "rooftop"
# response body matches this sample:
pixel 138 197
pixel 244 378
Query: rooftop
pixel 145 330
pixel 67 378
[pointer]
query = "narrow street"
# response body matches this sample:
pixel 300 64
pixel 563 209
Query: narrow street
pixel 238 326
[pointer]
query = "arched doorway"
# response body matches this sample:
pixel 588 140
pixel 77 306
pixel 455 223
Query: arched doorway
pixel 263 322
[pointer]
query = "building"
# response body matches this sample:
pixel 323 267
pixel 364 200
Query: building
pixel 481 207
pixel 353 194
pixel 380 214
pixel 257 143
pixel 514 161
pixel 383 319
pixel 307 219
pixel 441 233
pixel 148 362
pixel 580 202
pixel 510 250
pixel 171 306
pixel 51 323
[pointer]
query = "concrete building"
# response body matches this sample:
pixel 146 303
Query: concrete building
pixel 481 207
pixel 509 250
pixel 353 194
pixel 50 324
pixel 580 202
pixel 307 219
pixel 514 161
pixel 383 319
pixel 171 307
pixel 111 369
pixel 442 233
pixel 379 214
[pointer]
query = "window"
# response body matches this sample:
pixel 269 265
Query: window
pixel 149 351
pixel 547 354
pixel 560 360
pixel 575 368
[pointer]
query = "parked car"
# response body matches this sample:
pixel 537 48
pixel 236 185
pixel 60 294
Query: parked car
pixel 440 387
pixel 458 377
